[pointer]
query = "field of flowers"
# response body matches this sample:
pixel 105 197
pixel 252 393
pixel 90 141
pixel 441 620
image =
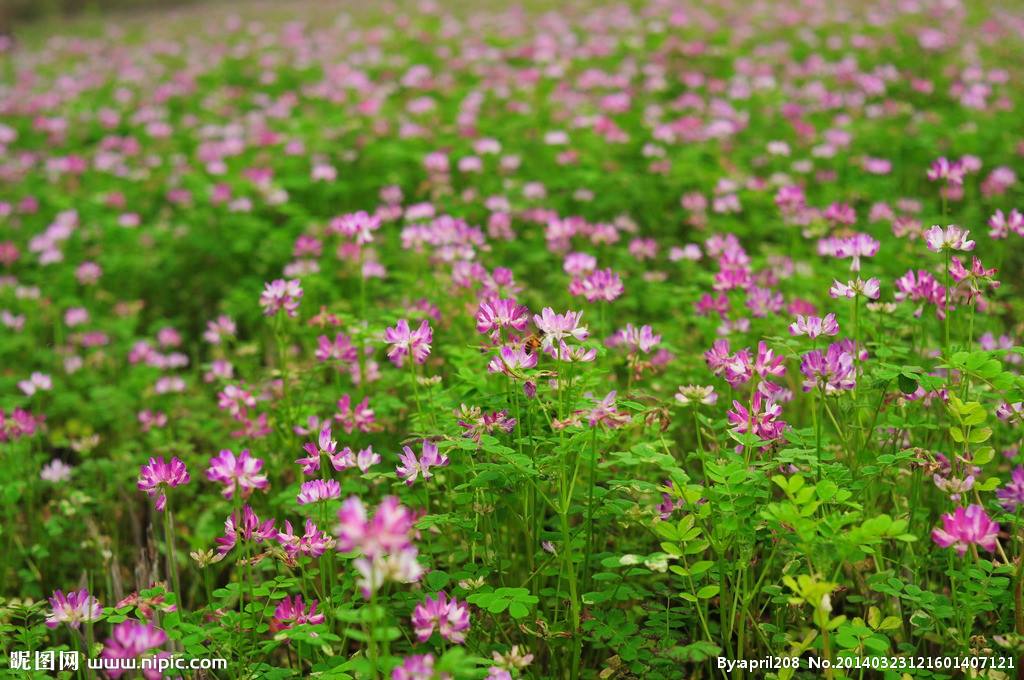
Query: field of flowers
pixel 445 340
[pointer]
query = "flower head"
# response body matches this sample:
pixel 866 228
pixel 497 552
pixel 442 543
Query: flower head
pixel 417 667
pixel 494 315
pixel 557 327
pixel 762 419
pixel 291 612
pixel 388 531
pixel 241 473
pixel 950 238
pixel 449 617
pixel 965 527
pixel 1012 495
pixel 128 640
pixel 404 341
pixel 318 490
pixel 411 467
pixel 249 528
pixel 851 289
pixel 157 476
pixel 281 294
pixel 74 608
pixel 831 371
pixel 606 414
pixel 814 326
pixel 312 543
pixel 603 284
pixel 696 394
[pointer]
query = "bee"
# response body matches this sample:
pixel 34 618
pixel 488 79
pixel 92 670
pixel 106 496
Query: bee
pixel 531 344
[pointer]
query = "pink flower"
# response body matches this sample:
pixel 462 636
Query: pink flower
pixel 292 612
pixel 341 349
pixel 965 527
pixel 603 284
pixel 813 326
pixel 324 446
pixel 605 413
pixel 366 458
pixel 313 543
pixel 450 617
pixel 128 640
pixel 511 361
pixel 281 294
pixel 641 339
pixel 37 382
pixel 950 238
pixel 360 417
pixel 74 608
pixel 951 171
pixel 1001 225
pixel 411 468
pixel 762 419
pixel 234 473
pixel 556 327
pixel 218 329
pixel 250 529
pixel 494 315
pixel 703 394
pixel 851 289
pixel 389 531
pixel 831 371
pixel 404 341
pixel 418 667
pixel 318 490
pixel 157 476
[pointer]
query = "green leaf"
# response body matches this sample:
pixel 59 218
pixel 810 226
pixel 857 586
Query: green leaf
pixel 708 592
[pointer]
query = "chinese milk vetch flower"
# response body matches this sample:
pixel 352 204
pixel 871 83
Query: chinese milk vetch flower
pixel 813 326
pixel 312 543
pixel 291 612
pixel 642 339
pixel 157 476
pixel 250 528
pixel 762 419
pixel 449 616
pixel 1011 496
pixel 404 341
pixel 605 413
pixel 56 471
pixel 851 289
pixel 131 639
pixel 411 467
pixel 831 371
pixel 603 284
pixel 966 527
pixel 241 473
pixel 418 667
pixel 512 361
pixel 1000 225
pixel 950 238
pixel 385 542
pixel 281 294
pixel 388 531
pixel 696 394
pixel 943 169
pixel 324 446
pixel 557 327
pixel 73 609
pixel 37 382
pixel 494 315
pixel 318 490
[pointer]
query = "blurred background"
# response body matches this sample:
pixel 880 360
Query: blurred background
pixel 17 13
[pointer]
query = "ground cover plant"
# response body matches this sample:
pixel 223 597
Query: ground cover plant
pixel 558 341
